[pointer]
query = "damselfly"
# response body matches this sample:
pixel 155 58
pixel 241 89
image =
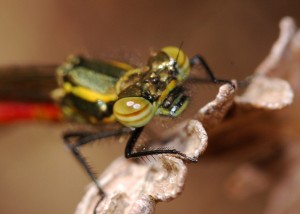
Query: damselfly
pixel 101 93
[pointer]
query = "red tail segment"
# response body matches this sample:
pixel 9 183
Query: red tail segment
pixel 16 111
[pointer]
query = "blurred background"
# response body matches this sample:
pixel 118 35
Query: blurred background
pixel 37 174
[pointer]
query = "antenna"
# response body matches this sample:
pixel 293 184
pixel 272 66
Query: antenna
pixel 180 48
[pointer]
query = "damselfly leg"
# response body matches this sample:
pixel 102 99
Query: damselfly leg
pixel 198 60
pixel 74 140
pixel 133 140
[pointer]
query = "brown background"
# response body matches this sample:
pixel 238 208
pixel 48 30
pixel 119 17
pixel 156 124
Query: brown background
pixel 37 174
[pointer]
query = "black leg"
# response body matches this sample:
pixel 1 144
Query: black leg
pixel 199 60
pixel 133 139
pixel 73 140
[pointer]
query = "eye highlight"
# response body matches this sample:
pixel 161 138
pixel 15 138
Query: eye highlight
pixel 133 111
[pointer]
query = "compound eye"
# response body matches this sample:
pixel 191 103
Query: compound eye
pixel 182 60
pixel 133 111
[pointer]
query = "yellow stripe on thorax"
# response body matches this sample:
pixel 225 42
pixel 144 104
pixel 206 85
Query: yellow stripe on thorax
pixel 87 94
pixel 121 65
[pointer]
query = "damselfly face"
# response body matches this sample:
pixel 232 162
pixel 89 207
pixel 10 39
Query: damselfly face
pixel 155 92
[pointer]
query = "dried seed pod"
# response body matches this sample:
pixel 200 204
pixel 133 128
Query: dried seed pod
pixel 267 93
pixel 214 112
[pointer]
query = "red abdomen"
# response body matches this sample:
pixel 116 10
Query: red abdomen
pixel 16 111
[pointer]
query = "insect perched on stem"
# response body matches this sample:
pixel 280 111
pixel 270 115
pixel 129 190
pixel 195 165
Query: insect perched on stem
pixel 100 92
